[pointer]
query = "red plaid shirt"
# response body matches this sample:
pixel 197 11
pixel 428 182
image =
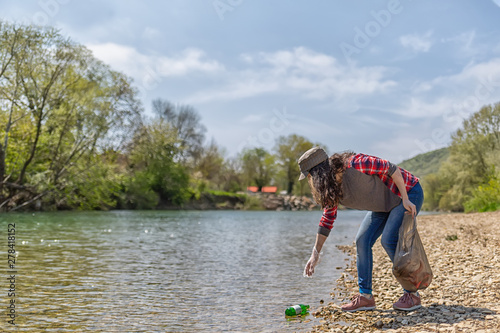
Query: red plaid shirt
pixel 370 165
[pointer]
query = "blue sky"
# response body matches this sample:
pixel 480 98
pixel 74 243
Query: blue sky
pixel 389 78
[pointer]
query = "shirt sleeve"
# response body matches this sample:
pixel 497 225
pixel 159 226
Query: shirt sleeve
pixel 372 165
pixel 326 222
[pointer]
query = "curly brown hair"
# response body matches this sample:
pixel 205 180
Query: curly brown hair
pixel 326 190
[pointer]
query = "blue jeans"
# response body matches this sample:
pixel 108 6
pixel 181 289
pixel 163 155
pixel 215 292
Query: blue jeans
pixel 381 223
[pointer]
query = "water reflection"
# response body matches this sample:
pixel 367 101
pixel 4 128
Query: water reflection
pixel 170 271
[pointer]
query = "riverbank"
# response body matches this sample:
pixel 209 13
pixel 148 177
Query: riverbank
pixel 464 252
pixel 217 200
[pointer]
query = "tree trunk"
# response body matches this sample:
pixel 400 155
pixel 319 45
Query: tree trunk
pixel 33 150
pixel 2 167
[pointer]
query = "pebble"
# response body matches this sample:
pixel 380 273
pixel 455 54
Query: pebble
pixel 464 293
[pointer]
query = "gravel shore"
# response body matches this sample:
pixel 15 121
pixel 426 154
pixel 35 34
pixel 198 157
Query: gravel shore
pixel 464 296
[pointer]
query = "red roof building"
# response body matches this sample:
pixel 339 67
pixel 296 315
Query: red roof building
pixel 269 189
pixel 265 189
pixel 253 189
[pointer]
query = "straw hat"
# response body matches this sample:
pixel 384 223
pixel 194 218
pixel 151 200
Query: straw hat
pixel 310 159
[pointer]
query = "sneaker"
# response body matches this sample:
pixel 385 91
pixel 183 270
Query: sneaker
pixel 408 302
pixel 359 303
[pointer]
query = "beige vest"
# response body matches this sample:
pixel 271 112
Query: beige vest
pixel 367 192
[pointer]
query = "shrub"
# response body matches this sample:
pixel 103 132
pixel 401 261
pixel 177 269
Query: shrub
pixel 485 197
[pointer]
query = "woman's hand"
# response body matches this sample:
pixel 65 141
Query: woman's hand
pixel 313 261
pixel 398 180
pixel 409 206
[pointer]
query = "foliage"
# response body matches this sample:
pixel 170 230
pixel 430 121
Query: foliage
pixel 288 151
pixel 152 160
pixel 210 166
pixel 451 237
pixel 253 202
pixel 60 109
pixel 229 194
pixel 187 122
pixel 466 180
pixel 431 185
pixel 426 163
pixel 138 193
pixel 95 187
pixel 485 197
pixel 258 166
pixel 232 176
pixel 473 155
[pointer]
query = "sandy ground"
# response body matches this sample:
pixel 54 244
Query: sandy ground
pixel 464 296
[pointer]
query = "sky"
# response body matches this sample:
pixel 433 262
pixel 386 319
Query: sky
pixel 391 78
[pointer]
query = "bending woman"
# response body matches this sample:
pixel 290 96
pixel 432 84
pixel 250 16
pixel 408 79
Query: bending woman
pixel 362 182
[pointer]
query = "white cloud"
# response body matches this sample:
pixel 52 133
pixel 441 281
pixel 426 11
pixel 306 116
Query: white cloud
pixel 246 58
pixel 497 2
pixel 416 42
pixel 465 38
pixel 252 118
pixel 138 65
pixel 302 72
pixel 403 145
pixel 464 42
pixel 151 33
pixel 459 95
pixel 436 108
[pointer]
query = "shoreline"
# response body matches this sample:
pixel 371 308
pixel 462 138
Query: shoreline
pixel 464 252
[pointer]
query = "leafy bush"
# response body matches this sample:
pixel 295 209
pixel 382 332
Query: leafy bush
pixel 485 197
pixel 253 203
pixel 229 194
pixel 138 193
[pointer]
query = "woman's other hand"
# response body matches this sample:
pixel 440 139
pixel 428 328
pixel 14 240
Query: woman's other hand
pixel 311 264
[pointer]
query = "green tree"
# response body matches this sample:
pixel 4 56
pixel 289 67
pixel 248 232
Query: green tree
pixel 288 150
pixel 485 197
pixel 473 158
pixel 232 176
pixel 91 186
pixel 211 166
pixel 61 108
pixel 431 185
pixel 187 122
pixel 152 155
pixel 258 166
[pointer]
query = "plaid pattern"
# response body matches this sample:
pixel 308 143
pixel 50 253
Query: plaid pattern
pixel 370 165
pixel 329 216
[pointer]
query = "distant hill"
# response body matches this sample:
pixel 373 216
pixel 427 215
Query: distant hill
pixel 426 163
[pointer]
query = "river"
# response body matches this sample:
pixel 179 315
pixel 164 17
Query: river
pixel 168 271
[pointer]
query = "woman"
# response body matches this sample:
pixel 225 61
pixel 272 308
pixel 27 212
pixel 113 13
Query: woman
pixel 363 182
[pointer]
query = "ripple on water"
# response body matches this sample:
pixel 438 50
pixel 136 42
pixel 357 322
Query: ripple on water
pixel 170 271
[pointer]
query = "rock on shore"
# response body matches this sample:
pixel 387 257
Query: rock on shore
pixel 288 202
pixel 464 252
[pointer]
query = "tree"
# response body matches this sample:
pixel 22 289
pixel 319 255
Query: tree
pixel 473 157
pixel 211 164
pixel 153 167
pixel 288 150
pixel 432 184
pixel 485 197
pixel 258 166
pixel 187 122
pixel 232 176
pixel 62 107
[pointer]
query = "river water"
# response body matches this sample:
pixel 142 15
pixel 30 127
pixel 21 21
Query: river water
pixel 168 271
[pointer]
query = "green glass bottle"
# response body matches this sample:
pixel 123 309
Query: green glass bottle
pixel 299 309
